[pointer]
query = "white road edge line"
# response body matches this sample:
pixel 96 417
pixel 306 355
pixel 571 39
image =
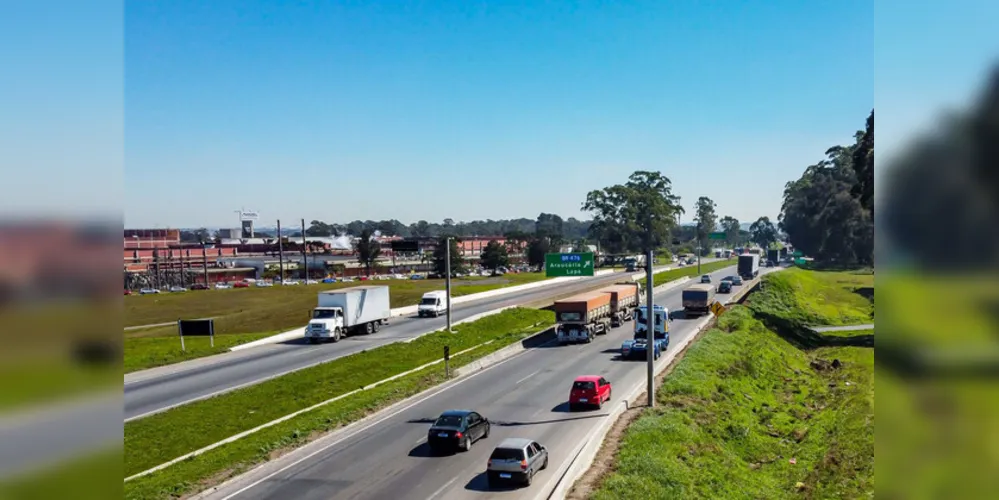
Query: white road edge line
pixel 527 377
pixel 442 488
pixel 387 415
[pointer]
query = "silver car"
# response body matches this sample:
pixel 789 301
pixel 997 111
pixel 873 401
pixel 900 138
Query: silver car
pixel 516 460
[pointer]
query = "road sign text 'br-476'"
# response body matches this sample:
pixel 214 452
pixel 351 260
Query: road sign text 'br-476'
pixel 568 264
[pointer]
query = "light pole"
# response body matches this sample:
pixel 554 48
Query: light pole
pixel 447 278
pixel 204 260
pixel 650 332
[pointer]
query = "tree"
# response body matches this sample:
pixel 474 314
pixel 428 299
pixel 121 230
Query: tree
pixel 863 167
pixel 494 256
pixel 636 216
pixel 706 218
pixel 536 250
pixel 368 250
pixel 549 226
pixel 320 228
pixel 579 246
pixel 440 256
pixel 732 229
pixel 420 229
pixel 763 232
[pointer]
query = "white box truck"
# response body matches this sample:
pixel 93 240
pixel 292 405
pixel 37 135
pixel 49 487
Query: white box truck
pixel 432 304
pixel 360 309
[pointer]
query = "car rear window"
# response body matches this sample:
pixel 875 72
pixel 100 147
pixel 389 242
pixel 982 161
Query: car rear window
pixel 448 421
pixel 507 454
pixel 586 386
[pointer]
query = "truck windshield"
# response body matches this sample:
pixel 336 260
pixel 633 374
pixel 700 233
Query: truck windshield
pixel 695 294
pixel 570 316
pixel 324 313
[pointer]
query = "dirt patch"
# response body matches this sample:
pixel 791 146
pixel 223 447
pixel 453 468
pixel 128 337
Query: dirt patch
pixel 603 463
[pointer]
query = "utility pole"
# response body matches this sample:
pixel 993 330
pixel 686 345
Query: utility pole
pixel 280 251
pixel 305 256
pixel 650 323
pixel 447 282
pixel 698 248
pixel 204 260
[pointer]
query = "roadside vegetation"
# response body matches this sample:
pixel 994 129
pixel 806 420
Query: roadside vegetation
pixel 755 412
pixel 162 437
pixel 245 315
pixel 92 477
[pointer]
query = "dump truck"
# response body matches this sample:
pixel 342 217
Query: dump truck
pixel 624 299
pixel 697 299
pixel 581 317
pixel 360 309
pixel 749 266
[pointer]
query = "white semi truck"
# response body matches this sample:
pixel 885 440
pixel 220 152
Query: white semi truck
pixel 360 309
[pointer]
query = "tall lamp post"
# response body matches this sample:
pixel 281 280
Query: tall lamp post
pixel 447 278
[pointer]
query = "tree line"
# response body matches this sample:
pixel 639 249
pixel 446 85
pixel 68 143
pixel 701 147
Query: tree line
pixel 828 213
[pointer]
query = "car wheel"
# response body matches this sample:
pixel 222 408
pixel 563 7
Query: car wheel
pixel 486 434
pixel 608 394
pixel 466 444
pixel 544 465
pixel 600 404
pixel 529 479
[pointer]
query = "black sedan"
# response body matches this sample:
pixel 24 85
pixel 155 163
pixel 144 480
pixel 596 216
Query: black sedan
pixel 457 429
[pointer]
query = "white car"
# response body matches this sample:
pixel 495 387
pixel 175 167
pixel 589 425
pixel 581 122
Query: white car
pixel 347 280
pixel 147 291
pixel 264 283
pixel 178 289
pixel 222 286
pixel 289 282
pixel 311 282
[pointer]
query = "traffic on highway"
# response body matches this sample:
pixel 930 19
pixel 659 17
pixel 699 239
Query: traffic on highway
pixel 511 430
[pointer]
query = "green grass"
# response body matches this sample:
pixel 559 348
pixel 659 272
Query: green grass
pixel 849 333
pixel 808 297
pixel 41 381
pixel 159 438
pixel 147 352
pixel 738 407
pixel 91 477
pixel 681 272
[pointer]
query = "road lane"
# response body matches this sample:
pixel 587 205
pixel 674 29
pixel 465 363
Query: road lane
pixel 392 459
pixel 240 369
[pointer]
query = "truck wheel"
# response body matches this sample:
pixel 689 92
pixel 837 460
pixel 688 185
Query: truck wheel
pixel 336 335
pixel 376 326
pixel 368 328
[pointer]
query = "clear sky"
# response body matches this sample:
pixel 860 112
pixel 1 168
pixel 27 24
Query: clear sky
pixel 472 110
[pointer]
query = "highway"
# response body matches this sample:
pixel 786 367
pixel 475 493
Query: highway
pixel 524 396
pixel 243 368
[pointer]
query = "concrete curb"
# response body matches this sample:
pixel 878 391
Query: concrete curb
pixel 586 452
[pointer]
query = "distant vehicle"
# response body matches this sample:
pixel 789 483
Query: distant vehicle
pixel 290 282
pixel 638 348
pixel 516 460
pixel 729 278
pixel 222 286
pixel 148 291
pixel 749 266
pixel 417 277
pixel 199 286
pixel 457 430
pixel 581 317
pixel 432 304
pixel 705 278
pixel 771 263
pixel 589 390
pixel 241 284
pixel 736 281
pixel 178 289
pixel 718 254
pixel 347 280
pixel 128 292
pixel 725 287
pixel 698 298
pixel 348 310
pixel 624 298
pixel 329 280
pixel 364 278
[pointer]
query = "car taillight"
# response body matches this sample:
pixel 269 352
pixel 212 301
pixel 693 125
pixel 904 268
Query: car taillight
pixel 457 434
pixel 523 465
pixel 489 463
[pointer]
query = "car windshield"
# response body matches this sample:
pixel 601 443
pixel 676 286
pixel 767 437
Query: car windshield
pixel 429 301
pixel 507 454
pixel 583 385
pixel 448 421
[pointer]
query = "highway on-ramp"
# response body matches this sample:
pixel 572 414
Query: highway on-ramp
pixel 239 369
pixel 524 396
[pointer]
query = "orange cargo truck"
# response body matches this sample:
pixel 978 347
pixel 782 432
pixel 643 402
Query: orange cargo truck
pixel 624 300
pixel 581 317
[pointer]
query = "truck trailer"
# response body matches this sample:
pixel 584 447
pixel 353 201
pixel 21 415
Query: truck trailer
pixel 697 299
pixel 360 309
pixel 624 300
pixel 749 266
pixel 581 317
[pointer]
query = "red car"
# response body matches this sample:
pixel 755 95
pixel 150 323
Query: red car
pixel 128 292
pixel 241 284
pixel 589 390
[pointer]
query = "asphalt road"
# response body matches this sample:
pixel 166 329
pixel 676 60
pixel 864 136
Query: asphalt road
pixel 524 396
pixel 243 368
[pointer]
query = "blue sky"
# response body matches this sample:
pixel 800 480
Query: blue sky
pixel 472 110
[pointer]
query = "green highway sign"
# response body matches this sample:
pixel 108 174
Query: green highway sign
pixel 568 264
pixel 716 236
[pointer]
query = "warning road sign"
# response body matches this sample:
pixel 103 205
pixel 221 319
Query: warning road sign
pixel 717 308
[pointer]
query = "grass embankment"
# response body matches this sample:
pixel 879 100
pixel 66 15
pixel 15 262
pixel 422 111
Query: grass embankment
pixel 165 436
pixel 745 414
pixel 682 272
pixel 748 414
pixel 245 315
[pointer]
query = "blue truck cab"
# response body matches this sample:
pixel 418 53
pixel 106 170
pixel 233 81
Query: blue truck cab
pixel 636 348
